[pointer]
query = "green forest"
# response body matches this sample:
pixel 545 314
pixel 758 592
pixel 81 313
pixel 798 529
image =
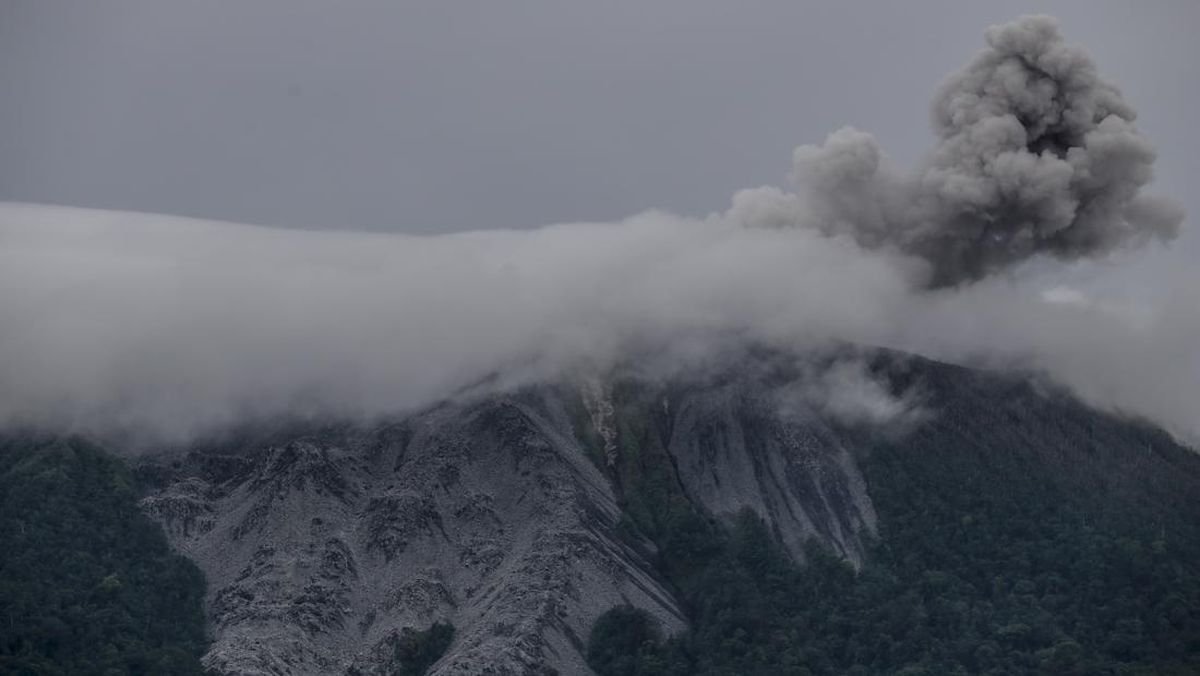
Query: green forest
pixel 1054 541
pixel 88 584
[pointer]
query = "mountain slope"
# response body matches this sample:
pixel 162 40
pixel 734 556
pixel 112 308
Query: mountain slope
pixel 321 549
pixel 1019 533
pixel 521 518
pixel 87 582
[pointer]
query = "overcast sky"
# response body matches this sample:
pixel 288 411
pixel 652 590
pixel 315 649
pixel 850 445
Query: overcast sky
pixel 445 116
pixel 349 116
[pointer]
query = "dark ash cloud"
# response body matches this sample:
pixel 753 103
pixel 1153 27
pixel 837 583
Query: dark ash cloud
pixel 1036 154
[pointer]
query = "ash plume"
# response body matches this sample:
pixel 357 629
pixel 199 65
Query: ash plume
pixel 1036 154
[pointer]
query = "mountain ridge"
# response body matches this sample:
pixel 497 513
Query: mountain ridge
pixel 509 524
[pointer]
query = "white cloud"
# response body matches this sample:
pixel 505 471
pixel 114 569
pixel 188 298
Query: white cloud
pixel 115 321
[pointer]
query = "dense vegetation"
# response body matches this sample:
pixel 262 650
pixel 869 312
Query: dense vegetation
pixel 416 651
pixel 1017 536
pixel 87 582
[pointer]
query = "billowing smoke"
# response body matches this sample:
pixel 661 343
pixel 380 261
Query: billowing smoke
pixel 170 328
pixel 1035 154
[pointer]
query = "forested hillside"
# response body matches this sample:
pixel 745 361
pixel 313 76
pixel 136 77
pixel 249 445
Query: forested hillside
pixel 87 582
pixel 1019 533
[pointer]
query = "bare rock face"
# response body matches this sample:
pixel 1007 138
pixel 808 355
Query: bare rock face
pixel 733 449
pixel 498 515
pixel 487 515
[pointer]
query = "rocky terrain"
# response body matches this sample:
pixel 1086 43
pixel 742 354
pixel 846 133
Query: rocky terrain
pixel 500 514
pixel 522 516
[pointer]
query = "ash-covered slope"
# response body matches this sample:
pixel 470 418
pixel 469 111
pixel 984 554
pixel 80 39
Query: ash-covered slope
pixel 321 547
pixel 522 517
pixel 499 515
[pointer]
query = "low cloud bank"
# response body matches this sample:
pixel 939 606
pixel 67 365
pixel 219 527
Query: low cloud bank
pixel 170 328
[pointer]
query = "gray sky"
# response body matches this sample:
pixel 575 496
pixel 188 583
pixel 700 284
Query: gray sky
pixel 444 116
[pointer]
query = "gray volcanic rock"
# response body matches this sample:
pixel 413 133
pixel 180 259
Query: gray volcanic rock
pixel 734 449
pixel 498 514
pixel 486 514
